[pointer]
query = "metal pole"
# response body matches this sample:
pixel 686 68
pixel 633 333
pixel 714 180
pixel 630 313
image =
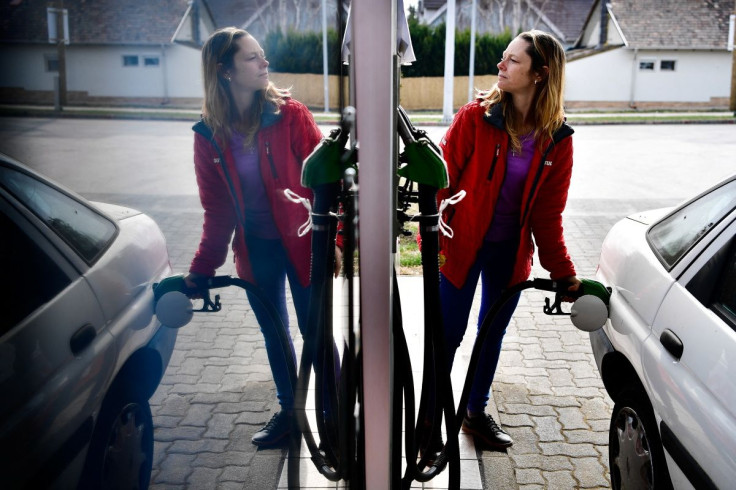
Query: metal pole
pixel 449 90
pixel 325 68
pixel 57 101
pixel 61 51
pixel 731 43
pixel 471 74
pixel 373 56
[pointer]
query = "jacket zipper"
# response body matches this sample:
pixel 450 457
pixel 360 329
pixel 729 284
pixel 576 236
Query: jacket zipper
pixel 274 174
pixel 535 183
pixel 495 159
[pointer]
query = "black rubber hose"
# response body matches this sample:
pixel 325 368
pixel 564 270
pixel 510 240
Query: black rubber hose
pixel 434 332
pixel 436 397
pixel 350 377
pixel 318 340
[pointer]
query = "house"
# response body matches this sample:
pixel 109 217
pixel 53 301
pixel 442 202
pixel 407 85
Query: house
pixel 128 52
pixel 119 51
pixel 650 54
pixel 563 18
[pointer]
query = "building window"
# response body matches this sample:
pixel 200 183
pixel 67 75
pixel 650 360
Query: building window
pixel 130 60
pixel 150 61
pixel 646 65
pixel 51 61
pixel 667 65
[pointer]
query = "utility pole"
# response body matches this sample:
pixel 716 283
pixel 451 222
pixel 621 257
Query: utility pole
pixel 325 67
pixel 449 87
pixel 732 47
pixel 61 51
pixel 471 74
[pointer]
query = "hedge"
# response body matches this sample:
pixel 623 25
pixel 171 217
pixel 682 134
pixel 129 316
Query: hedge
pixel 301 52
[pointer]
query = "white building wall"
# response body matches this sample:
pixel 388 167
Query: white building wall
pixel 698 76
pixel 184 71
pixel 614 76
pixel 24 67
pixel 100 71
pixel 601 77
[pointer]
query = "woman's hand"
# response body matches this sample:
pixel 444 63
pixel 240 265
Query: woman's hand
pixel 190 280
pixel 575 284
pixel 338 260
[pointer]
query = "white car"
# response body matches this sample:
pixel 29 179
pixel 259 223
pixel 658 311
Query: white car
pixel 80 349
pixel 667 354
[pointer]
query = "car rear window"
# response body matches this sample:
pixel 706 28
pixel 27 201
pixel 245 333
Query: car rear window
pixel 726 292
pixel 672 237
pixel 83 229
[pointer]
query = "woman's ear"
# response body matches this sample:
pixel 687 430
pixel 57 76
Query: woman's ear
pixel 543 73
pixel 221 71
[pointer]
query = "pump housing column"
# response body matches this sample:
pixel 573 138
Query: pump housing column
pixel 372 53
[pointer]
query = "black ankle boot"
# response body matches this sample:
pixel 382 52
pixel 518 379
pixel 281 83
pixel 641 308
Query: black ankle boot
pixel 485 428
pixel 276 430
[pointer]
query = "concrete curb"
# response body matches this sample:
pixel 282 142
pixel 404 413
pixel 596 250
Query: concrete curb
pixel 419 119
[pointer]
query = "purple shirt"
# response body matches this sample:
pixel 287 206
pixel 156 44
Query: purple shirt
pixel 506 217
pixel 258 218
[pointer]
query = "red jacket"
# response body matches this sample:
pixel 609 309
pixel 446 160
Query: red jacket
pixel 475 148
pixel 284 141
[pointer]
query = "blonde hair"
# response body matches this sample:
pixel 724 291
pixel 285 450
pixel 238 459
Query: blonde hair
pixel 549 113
pixel 218 110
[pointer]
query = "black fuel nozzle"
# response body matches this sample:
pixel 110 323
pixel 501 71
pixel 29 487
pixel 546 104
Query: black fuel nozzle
pixel 590 310
pixel 560 288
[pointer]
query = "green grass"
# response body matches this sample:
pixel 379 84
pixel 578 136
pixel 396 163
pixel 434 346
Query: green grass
pixel 625 119
pixel 410 258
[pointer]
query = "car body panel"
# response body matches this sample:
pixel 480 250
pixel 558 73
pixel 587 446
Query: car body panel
pixel 123 281
pixel 53 391
pixel 636 275
pixel 637 287
pixel 693 393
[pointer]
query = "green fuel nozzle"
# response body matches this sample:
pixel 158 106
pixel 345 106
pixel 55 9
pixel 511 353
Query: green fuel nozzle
pixel 329 160
pixel 421 161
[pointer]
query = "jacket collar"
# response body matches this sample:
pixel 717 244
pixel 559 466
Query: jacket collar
pixel 495 119
pixel 269 117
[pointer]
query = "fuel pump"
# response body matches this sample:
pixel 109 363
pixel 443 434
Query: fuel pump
pixel 324 172
pixel 421 165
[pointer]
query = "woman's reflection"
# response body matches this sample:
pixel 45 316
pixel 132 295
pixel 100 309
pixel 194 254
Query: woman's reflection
pixel 248 149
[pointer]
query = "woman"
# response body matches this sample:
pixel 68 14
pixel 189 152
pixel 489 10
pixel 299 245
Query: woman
pixel 511 151
pixel 248 149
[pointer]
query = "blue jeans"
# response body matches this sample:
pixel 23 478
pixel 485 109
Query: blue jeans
pixel 271 268
pixel 494 265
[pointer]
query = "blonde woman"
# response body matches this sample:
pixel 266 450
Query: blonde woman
pixel 511 151
pixel 249 147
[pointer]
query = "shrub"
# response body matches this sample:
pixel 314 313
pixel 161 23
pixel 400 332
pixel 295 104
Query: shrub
pixel 301 52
